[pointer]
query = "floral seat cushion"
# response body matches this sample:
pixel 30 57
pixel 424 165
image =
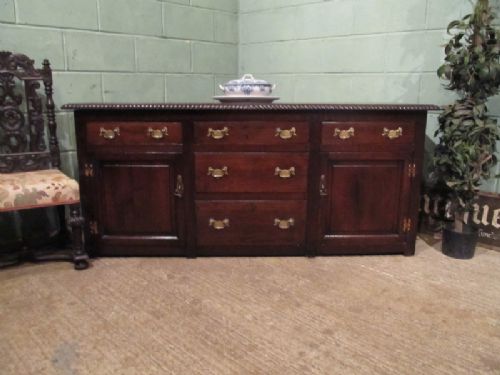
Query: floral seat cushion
pixel 19 191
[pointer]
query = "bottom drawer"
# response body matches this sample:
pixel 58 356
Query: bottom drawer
pixel 250 222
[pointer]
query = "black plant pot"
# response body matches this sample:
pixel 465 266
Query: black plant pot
pixel 459 245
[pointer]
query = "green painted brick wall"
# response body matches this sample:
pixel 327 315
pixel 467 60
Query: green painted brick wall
pixel 124 50
pixel 361 51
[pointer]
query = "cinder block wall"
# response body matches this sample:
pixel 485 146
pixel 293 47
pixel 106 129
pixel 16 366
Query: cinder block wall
pixel 359 51
pixel 124 50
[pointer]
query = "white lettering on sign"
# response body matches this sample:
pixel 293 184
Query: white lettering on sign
pixel 481 213
pixel 475 218
pixel 496 217
pixel 486 210
pixel 484 234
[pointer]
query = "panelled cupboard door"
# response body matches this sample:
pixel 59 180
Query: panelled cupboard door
pixel 138 207
pixel 365 202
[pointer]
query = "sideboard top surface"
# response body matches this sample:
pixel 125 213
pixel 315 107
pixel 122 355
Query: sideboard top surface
pixel 248 107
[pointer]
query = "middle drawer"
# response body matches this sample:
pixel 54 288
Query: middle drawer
pixel 251 172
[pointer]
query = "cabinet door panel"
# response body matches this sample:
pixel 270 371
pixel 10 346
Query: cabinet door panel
pixel 365 203
pixel 366 196
pixel 137 199
pixel 136 209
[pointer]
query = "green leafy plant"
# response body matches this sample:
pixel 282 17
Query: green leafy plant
pixel 467 136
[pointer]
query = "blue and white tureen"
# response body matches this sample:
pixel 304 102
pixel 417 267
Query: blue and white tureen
pixel 247 86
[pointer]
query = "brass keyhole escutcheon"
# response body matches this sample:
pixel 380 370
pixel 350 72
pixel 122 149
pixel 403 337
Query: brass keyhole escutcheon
pixel 284 223
pixel 322 186
pixel 158 133
pixel 109 134
pixel 218 224
pixel 392 133
pixel 344 133
pixel 179 187
pixel 285 133
pixel 218 133
pixel 217 172
pixel 284 173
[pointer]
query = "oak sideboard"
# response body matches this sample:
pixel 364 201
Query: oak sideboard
pixel 249 179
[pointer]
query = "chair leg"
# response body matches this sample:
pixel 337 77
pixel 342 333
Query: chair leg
pixel 80 256
pixel 11 247
pixel 64 236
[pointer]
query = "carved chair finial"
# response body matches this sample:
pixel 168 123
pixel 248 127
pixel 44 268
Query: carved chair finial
pixel 17 64
pixel 22 130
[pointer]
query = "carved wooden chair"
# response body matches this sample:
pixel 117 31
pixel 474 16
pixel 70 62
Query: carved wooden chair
pixel 29 170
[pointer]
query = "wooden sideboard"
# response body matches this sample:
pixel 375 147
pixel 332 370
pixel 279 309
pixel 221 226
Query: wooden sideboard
pixel 239 180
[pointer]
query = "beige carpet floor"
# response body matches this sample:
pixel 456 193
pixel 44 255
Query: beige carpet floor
pixel 427 314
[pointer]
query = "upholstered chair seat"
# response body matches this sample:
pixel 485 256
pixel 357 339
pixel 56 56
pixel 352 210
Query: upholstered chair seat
pixel 44 188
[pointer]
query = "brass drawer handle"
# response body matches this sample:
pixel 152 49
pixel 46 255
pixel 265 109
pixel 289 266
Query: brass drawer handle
pixel 218 133
pixel 344 133
pixel 109 133
pixel 218 224
pixel 392 133
pixel 158 133
pixel 285 133
pixel 217 172
pixel 284 223
pixel 284 173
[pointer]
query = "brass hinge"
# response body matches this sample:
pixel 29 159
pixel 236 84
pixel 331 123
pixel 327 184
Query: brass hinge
pixel 412 170
pixel 406 225
pixel 93 227
pixel 88 170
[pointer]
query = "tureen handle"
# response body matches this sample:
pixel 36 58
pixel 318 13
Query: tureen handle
pixel 274 86
pixel 221 87
pixel 248 77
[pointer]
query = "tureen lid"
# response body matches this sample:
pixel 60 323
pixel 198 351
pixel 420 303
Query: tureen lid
pixel 247 79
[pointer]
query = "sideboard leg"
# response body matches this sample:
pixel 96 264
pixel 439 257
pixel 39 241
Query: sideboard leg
pixel 191 254
pixel 310 251
pixel 410 250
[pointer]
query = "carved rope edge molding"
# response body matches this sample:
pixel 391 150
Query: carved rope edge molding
pixel 251 107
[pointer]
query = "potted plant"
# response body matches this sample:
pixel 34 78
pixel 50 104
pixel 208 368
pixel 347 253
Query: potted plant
pixel 467 136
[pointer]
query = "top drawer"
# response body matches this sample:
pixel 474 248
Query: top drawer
pixel 251 133
pixel 383 133
pixel 132 133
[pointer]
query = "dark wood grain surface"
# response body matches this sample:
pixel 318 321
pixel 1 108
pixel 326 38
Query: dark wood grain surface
pixel 251 222
pixel 346 193
pixel 138 133
pixel 252 172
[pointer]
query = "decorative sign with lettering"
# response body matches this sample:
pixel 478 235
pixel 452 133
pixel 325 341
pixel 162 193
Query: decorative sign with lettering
pixel 486 216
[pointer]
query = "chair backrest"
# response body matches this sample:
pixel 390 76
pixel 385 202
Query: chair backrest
pixel 23 144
